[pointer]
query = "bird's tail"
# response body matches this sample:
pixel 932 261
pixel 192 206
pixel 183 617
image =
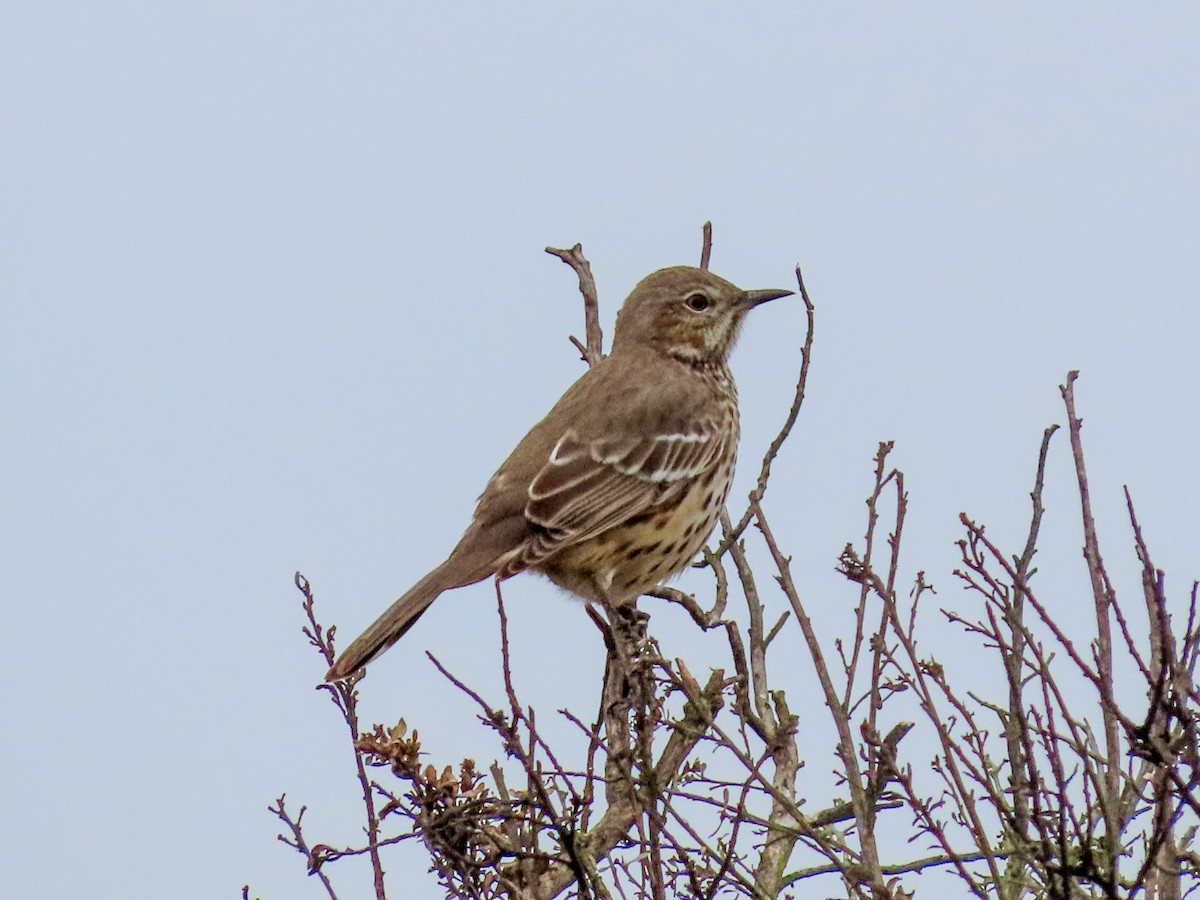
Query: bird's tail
pixel 401 616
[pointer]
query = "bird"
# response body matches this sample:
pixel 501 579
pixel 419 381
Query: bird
pixel 622 482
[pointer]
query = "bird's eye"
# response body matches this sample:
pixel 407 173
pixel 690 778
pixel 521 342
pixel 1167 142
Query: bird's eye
pixel 696 302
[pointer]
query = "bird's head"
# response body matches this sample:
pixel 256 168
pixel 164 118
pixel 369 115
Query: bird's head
pixel 688 313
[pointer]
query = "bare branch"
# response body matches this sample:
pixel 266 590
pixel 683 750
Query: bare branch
pixel 1103 596
pixel 593 352
pixel 1016 725
pixel 344 694
pixel 730 536
pixel 620 816
pixel 864 812
pixel 298 842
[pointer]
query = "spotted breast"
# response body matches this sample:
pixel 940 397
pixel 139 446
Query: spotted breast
pixel 695 470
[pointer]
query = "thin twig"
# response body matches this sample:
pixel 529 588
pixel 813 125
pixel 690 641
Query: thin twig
pixel 1016 724
pixel 846 750
pixel 730 536
pixel 1102 595
pixel 298 842
pixel 593 351
pixel 344 694
pixel 896 869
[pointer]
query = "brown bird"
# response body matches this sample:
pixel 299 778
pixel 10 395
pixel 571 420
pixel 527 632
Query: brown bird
pixel 619 486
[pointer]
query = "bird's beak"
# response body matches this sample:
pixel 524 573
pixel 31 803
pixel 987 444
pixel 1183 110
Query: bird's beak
pixel 752 299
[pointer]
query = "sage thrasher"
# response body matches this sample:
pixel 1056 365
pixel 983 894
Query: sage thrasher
pixel 619 486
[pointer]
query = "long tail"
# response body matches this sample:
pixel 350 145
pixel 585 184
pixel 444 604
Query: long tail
pixel 400 617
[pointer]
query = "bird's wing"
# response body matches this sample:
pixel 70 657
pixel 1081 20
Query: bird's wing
pixel 587 487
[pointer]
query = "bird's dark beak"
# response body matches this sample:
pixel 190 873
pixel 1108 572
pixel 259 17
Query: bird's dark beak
pixel 754 298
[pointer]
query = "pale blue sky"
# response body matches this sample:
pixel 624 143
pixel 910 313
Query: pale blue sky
pixel 274 297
